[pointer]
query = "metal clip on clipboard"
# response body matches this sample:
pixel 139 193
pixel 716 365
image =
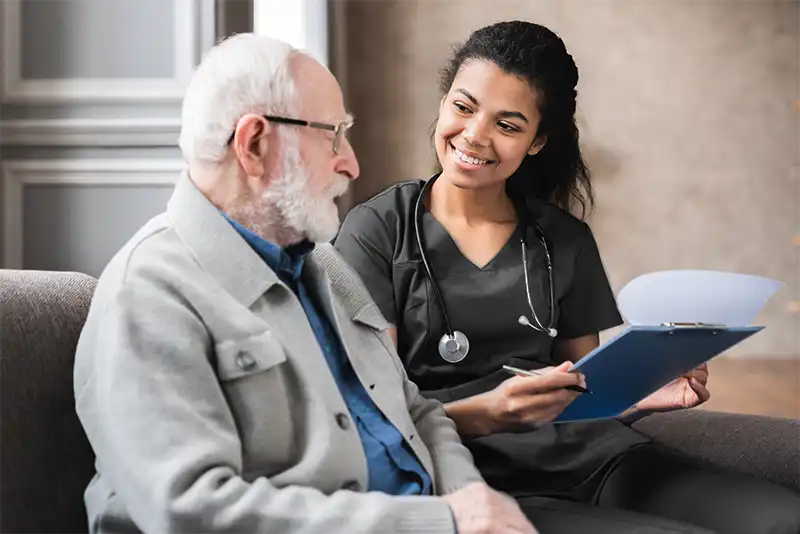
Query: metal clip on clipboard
pixel 677 325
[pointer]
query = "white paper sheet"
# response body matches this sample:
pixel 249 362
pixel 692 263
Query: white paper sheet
pixel 690 296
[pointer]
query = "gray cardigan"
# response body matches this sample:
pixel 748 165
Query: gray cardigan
pixel 209 403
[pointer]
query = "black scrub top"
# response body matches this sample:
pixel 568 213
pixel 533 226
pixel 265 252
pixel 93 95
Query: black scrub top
pixel 378 240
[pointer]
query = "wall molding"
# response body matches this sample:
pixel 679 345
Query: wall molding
pixel 16 90
pixel 18 174
pixel 90 132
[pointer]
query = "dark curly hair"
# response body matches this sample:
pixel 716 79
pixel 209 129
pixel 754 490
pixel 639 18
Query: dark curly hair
pixel 558 173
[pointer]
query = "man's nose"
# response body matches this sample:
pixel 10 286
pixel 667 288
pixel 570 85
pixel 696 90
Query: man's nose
pixel 348 162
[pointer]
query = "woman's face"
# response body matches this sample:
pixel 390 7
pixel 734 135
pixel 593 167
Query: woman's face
pixel 487 125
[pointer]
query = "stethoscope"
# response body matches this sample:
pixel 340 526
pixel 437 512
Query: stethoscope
pixel 454 345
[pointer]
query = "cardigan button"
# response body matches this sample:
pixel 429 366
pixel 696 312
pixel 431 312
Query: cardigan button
pixel 343 421
pixel 245 361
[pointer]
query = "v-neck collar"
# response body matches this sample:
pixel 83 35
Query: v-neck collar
pixel 437 234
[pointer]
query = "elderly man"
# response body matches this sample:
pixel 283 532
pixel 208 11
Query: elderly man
pixel 234 377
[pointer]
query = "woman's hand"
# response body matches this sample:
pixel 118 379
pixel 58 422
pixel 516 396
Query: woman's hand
pixel 522 401
pixel 684 392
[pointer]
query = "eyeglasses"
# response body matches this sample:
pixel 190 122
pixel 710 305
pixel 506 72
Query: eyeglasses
pixel 339 129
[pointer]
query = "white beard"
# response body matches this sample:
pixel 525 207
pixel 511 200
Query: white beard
pixel 292 210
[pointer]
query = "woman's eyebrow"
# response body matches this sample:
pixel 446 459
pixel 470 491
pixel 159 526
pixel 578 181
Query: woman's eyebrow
pixel 503 114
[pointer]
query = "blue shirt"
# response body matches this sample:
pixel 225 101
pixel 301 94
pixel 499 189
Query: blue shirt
pixel 393 467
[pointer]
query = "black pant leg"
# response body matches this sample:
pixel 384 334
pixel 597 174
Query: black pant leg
pixel 556 516
pixel 655 480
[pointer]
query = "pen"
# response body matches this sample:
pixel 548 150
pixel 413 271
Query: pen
pixel 523 372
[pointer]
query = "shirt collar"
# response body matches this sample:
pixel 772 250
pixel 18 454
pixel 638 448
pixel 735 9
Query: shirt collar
pixel 286 261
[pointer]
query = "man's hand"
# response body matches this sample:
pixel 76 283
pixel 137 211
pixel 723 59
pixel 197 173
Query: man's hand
pixel 478 509
pixel 686 391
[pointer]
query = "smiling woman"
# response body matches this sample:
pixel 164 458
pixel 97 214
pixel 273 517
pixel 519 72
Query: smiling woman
pixel 489 264
pixel 488 122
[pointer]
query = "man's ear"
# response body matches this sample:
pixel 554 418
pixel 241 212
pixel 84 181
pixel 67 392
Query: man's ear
pixel 251 143
pixel 537 145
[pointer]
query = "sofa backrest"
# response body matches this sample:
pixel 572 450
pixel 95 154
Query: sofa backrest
pixel 45 459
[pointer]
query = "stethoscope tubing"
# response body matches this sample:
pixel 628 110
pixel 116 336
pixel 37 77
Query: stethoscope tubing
pixel 454 345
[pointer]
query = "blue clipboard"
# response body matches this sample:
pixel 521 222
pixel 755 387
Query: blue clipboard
pixel 641 360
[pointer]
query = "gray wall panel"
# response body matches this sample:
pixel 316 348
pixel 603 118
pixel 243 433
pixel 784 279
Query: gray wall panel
pixel 81 227
pixel 97 39
pixel 78 226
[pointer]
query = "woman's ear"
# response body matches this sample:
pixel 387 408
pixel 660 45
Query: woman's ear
pixel 537 145
pixel 251 144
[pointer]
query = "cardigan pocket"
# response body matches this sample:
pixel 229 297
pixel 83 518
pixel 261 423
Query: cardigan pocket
pixel 266 402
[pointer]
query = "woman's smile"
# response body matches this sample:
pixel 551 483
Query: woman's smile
pixel 468 160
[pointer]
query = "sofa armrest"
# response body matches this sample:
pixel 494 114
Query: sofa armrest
pixel 767 447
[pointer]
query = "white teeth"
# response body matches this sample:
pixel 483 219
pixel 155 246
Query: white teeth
pixel 469 159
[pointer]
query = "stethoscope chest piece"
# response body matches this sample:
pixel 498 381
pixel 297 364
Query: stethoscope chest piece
pixel 454 348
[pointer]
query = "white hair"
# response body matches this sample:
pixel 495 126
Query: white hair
pixel 246 73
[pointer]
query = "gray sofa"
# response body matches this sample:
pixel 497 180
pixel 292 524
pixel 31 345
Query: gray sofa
pixel 46 461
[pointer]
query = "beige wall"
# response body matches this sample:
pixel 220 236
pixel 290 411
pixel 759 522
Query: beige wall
pixel 689 115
